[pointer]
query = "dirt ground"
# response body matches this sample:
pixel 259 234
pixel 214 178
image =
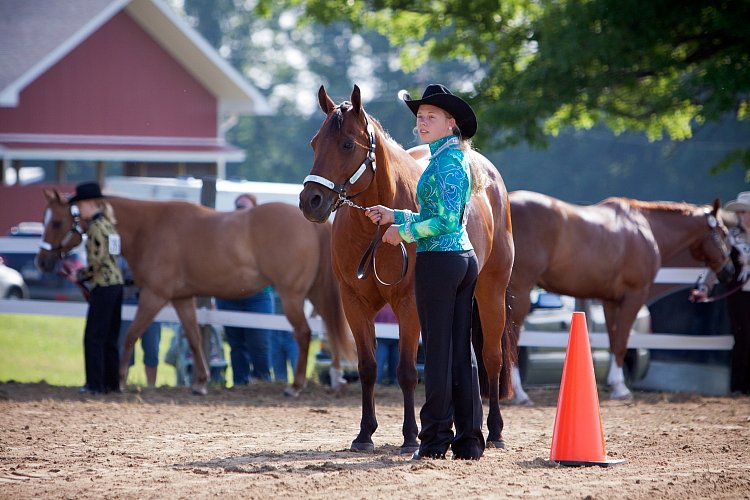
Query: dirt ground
pixel 254 443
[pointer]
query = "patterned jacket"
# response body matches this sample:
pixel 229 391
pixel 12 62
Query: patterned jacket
pixel 102 249
pixel 443 191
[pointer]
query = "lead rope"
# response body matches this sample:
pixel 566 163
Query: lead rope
pixel 368 258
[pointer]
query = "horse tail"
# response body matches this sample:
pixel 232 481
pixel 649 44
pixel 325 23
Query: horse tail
pixel 510 348
pixel 327 301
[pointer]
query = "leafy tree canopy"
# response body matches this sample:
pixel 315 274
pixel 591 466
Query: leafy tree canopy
pixel 537 66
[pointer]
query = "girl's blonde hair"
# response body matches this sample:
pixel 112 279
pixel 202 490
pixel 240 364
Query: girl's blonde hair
pixel 104 206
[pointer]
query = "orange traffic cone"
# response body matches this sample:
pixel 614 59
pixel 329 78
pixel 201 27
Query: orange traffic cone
pixel 578 437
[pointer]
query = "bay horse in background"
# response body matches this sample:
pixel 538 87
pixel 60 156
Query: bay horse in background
pixel 389 177
pixel 178 250
pixel 609 251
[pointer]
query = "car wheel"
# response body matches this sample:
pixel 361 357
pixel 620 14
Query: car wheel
pixel 14 294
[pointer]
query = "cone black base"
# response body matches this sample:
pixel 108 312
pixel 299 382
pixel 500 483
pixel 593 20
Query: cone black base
pixel 577 463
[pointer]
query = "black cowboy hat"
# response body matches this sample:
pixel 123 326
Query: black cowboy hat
pixel 438 95
pixel 86 191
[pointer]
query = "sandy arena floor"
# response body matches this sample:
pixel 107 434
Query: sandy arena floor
pixel 254 443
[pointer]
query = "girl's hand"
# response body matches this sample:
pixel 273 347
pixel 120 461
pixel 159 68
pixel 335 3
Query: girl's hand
pixel 380 215
pixel 392 236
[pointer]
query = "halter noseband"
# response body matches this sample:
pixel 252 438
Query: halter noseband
pixel 340 189
pixel 75 229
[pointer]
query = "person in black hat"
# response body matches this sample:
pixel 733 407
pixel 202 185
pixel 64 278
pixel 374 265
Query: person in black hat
pixel 105 278
pixel 738 301
pixel 445 275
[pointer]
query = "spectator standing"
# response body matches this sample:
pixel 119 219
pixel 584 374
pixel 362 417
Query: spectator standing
pixel 386 353
pixel 284 348
pixel 249 346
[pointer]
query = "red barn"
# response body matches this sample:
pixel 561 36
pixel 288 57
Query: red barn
pixel 123 83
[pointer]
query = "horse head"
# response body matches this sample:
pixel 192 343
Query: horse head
pixel 344 148
pixel 62 231
pixel 713 248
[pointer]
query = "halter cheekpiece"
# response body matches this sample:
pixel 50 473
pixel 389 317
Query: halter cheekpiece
pixel 340 189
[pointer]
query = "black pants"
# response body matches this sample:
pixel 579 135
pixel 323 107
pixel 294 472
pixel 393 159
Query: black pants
pixel 444 285
pixel 738 305
pixel 100 339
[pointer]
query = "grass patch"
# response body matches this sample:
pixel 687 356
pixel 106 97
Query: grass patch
pixel 50 348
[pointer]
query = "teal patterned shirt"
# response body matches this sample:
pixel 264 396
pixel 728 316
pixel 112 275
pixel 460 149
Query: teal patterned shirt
pixel 443 191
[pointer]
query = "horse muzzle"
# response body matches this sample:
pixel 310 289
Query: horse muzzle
pixel 315 205
pixel 46 261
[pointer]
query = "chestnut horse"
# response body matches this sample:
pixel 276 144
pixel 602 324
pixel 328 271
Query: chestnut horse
pixel 609 251
pixel 179 250
pixel 389 176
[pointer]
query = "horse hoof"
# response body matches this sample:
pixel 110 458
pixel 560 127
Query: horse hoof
pixel 500 444
pixel 408 450
pixel 199 390
pixel 522 401
pixel 365 447
pixel 291 392
pixel 628 396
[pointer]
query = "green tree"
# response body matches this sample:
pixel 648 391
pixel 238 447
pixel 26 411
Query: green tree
pixel 659 67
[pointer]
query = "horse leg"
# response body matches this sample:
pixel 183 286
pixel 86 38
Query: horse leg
pixel 360 319
pixel 149 306
pixel 620 317
pixel 295 313
pixel 406 371
pixel 519 303
pixel 491 302
pixel 185 309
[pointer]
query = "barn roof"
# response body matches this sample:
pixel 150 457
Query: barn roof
pixel 36 34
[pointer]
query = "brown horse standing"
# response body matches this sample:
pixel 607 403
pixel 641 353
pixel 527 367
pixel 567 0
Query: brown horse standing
pixel 178 250
pixel 609 251
pixel 340 145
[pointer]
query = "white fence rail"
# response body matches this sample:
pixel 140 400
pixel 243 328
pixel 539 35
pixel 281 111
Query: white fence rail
pixel 676 275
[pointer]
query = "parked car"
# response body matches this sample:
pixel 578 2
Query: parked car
pixel 43 286
pixel 552 312
pixel 12 285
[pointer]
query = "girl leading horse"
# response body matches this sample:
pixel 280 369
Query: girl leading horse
pixel 178 250
pixel 358 165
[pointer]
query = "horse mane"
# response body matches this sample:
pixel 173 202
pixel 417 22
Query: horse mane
pixel 677 207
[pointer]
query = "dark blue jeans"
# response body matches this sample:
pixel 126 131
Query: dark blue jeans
pixel 249 346
pixel 284 352
pixel 386 356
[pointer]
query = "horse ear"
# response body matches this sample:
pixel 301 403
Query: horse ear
pixel 52 195
pixel 356 99
pixel 326 103
pixel 717 206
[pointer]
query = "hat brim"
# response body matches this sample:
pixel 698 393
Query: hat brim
pixel 737 206
pixel 454 105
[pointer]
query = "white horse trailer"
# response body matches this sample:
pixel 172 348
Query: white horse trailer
pixel 189 189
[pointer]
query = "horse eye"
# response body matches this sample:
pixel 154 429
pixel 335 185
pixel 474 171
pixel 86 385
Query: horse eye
pixel 349 145
pixel 56 224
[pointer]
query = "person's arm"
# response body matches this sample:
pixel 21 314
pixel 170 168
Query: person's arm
pixel 454 184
